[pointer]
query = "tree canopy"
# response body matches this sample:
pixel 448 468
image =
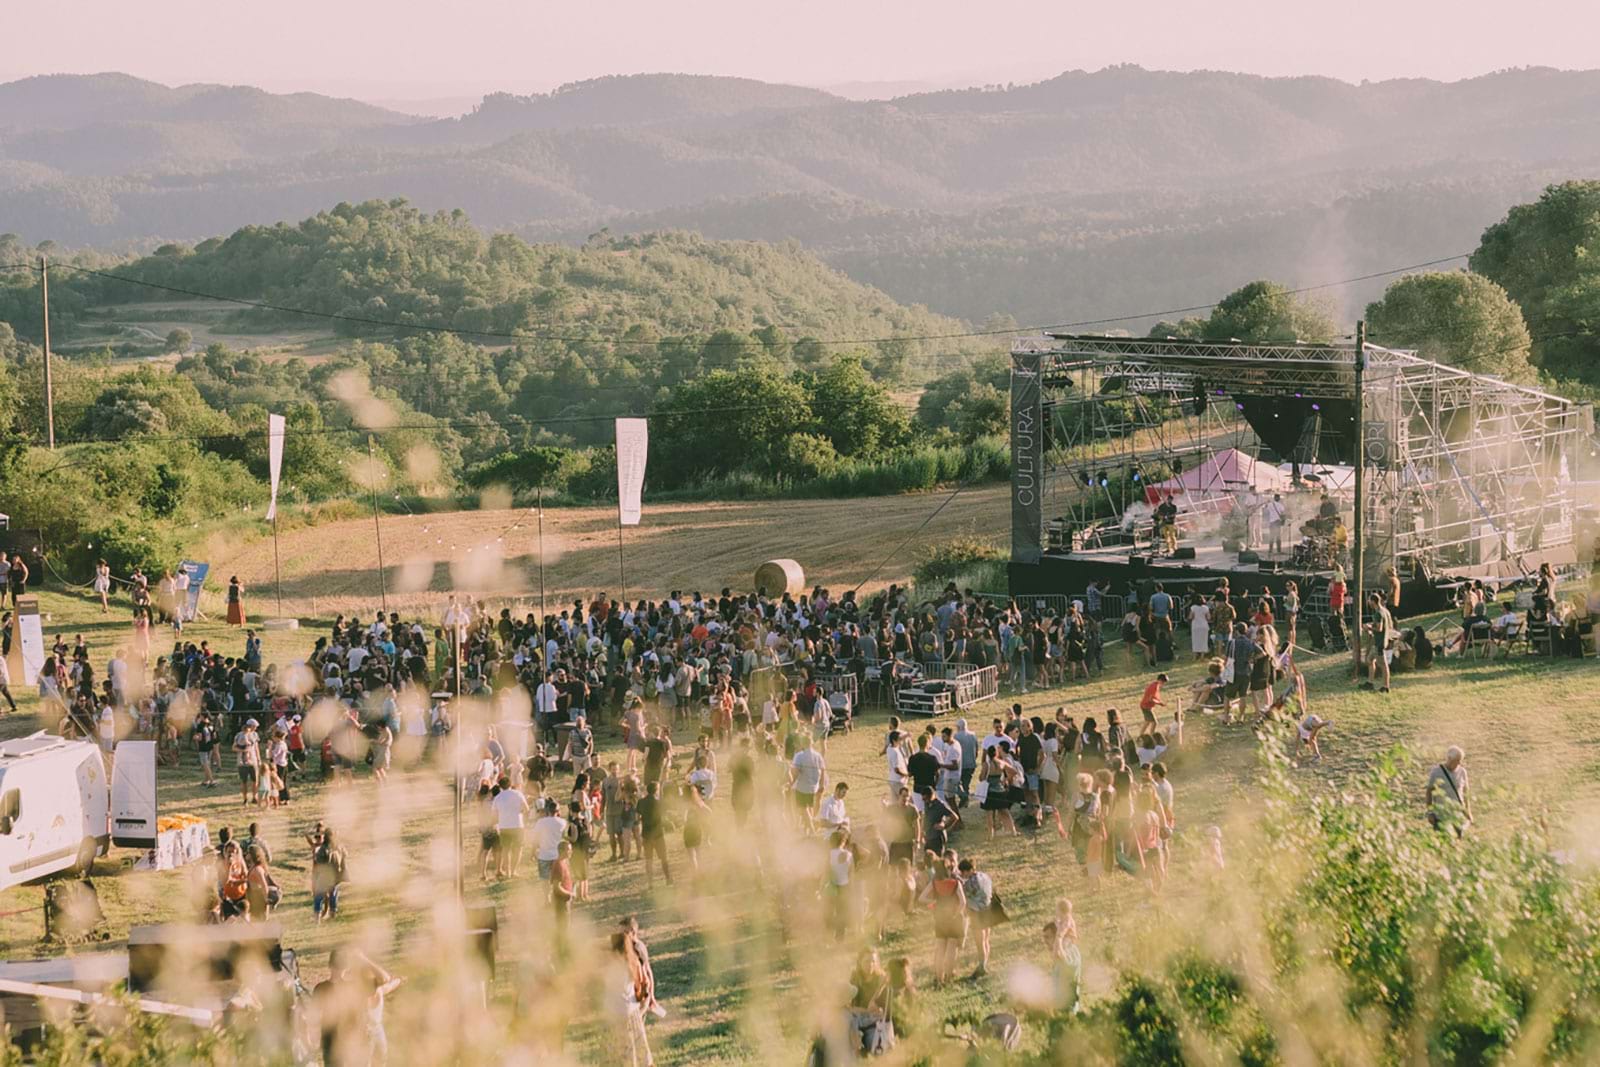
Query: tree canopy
pixel 1454 317
pixel 1546 255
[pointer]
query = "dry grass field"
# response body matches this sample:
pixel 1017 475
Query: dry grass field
pixel 333 567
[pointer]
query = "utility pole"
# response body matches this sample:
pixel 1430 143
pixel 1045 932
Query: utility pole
pixel 49 387
pixel 1359 525
pixel 377 531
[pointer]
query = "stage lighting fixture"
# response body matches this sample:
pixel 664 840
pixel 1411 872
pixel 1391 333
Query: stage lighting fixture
pixel 1137 477
pixel 1316 407
pixel 1103 480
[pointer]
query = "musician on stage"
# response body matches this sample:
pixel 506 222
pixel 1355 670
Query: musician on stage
pixel 1276 514
pixel 1167 523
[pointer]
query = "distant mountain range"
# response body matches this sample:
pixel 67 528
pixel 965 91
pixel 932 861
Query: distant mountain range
pixel 1087 194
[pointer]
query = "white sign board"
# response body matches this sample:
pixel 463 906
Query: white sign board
pixel 31 635
pixel 133 795
pixel 633 447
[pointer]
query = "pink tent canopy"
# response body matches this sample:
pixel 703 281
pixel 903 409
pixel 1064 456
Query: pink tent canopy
pixel 1225 473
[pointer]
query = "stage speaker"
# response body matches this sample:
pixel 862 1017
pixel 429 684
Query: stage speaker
pixel 1183 552
pixel 1139 561
pixel 1319 636
pixel 180 956
pixel 1249 556
pixel 1271 566
pixel 1377 444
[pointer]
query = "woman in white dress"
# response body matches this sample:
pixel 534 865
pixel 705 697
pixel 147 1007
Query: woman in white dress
pixel 102 585
pixel 1199 626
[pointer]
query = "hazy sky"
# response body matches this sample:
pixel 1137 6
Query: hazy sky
pixel 412 48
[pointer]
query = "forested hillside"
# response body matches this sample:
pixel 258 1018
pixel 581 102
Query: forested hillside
pixel 1048 202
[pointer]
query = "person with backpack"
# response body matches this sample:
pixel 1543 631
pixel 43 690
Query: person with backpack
pixel 328 874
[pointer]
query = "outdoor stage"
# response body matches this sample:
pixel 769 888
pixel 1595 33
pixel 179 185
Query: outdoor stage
pixel 1378 459
pixel 1069 574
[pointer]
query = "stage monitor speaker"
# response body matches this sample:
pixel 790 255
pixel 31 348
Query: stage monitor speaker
pixel 1139 561
pixel 1183 552
pixel 1319 636
pixel 181 956
pixel 1271 566
pixel 1377 444
pixel 1249 556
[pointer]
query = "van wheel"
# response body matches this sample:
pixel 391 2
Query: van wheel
pixel 86 854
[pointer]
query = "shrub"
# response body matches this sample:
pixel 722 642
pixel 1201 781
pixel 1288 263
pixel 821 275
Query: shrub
pixel 806 457
pixel 940 562
pixel 127 544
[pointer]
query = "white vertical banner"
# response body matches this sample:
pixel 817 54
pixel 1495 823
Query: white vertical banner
pixel 30 634
pixel 633 447
pixel 274 459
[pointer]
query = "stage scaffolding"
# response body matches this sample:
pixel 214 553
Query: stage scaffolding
pixel 1463 472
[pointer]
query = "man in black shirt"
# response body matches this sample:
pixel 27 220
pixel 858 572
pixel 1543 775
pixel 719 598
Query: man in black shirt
pixel 657 756
pixel 923 767
pixel 1030 749
pixel 938 819
pixel 653 829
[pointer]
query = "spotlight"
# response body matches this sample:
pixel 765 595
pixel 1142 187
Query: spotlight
pixel 1316 407
pixel 1103 480
pixel 1239 406
pixel 1137 477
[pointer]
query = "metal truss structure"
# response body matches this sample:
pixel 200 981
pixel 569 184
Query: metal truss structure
pixel 1462 470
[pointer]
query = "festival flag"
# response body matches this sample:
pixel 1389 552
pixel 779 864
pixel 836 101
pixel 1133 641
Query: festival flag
pixel 633 445
pixel 274 459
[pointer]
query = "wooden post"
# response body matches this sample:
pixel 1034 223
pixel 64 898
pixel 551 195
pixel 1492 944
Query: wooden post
pixel 49 385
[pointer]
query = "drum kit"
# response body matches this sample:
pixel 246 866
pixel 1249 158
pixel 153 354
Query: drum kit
pixel 1316 550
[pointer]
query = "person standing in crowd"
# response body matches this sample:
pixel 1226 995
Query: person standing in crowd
pixel 247 750
pixel 236 612
pixel 1382 630
pixel 511 812
pixel 808 774
pixel 349 1010
pixel 1448 799
pixel 17 578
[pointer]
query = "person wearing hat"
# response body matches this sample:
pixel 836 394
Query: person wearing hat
pixel 247 749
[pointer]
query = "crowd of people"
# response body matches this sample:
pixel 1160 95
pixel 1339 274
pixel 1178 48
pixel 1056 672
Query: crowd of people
pixel 733 699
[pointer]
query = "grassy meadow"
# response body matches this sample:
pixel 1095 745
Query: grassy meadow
pixel 744 965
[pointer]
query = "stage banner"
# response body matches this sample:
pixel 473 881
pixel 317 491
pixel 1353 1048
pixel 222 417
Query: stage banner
pixel 274 460
pixel 1027 458
pixel 197 577
pixel 633 446
pixel 30 635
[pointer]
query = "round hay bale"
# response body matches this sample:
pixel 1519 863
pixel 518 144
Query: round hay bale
pixel 779 576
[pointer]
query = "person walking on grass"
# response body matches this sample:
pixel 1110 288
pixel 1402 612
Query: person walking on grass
pixel 808 773
pixel 653 833
pixel 944 894
pixel 983 906
pixel 1448 798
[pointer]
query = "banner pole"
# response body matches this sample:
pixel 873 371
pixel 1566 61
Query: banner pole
pixel 377 531
pixel 541 555
pixel 622 566
pixel 277 568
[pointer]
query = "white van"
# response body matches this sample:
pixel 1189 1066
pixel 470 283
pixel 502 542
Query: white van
pixel 54 807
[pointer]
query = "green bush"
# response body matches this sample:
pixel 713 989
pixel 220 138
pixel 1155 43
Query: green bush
pixel 128 544
pixel 942 561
